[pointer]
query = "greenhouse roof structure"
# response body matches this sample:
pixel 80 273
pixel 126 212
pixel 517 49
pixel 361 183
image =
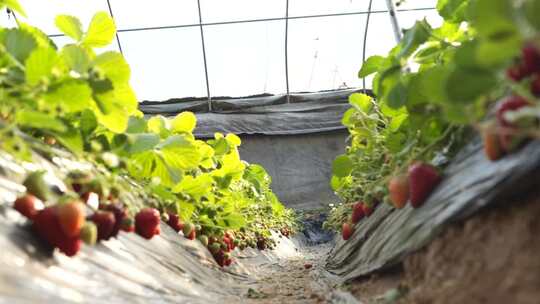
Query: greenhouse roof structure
pixel 212 48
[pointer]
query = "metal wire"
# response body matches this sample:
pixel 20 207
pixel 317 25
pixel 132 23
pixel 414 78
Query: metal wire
pixel 365 43
pixel 287 50
pixel 117 37
pixel 204 59
pixel 258 20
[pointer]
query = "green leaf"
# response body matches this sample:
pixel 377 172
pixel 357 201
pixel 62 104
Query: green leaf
pixel 88 122
pixel 493 18
pixel 39 120
pixel 186 210
pixel 70 26
pixel 180 152
pixel 465 86
pixel 342 166
pixel 39 64
pixel 414 36
pixel 184 122
pixel 143 142
pixel 114 107
pixel 76 58
pixel 19 44
pixel 159 125
pixel 71 96
pixel 196 187
pixel 233 140
pixel 233 221
pixel 531 9
pixel 370 66
pixel 360 102
pixel 397 97
pixel 114 66
pixel 453 10
pixel 136 125
pixel 101 31
pixel 72 140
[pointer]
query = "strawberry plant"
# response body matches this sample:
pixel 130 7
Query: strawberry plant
pixel 78 99
pixel 431 91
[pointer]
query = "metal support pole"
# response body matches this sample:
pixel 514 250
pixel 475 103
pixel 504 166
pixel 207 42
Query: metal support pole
pixel 364 46
pixel 204 59
pixel 394 20
pixel 117 37
pixel 287 50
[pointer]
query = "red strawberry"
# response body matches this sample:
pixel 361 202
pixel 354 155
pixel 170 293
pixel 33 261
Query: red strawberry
pixel 227 262
pixel 423 178
pixel 368 209
pixel 535 85
pixel 105 222
pixel 26 205
pixel 347 230
pixel 120 213
pixel 261 244
pixel 399 190
pixel 308 266
pixel 358 212
pixel 510 139
pixel 492 146
pixel 71 217
pixel 147 223
pixel 511 103
pixel 531 58
pixel 516 72
pixel 174 222
pixel 47 225
pixel 220 258
pixel 127 225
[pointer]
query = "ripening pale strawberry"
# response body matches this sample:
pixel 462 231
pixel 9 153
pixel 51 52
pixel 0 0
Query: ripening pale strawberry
pixel 203 239
pixel 358 212
pixel 423 178
pixel 189 231
pixel 147 222
pixel 511 103
pixel 105 222
pixel 492 146
pixel 26 205
pixel 398 186
pixel 347 230
pixel 71 217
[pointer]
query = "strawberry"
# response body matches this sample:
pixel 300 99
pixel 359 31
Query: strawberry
pixel 516 72
pixel 220 258
pixel 89 233
pixel 535 85
pixel 47 225
pixel 423 178
pixel 147 223
pixel 511 103
pixel 174 222
pixel 214 248
pixel 49 140
pixel 189 231
pixel 261 244
pixel 35 184
pixel 26 205
pixel 492 146
pixel 127 225
pixel 71 217
pixel 203 239
pixel 398 186
pixel 105 222
pixel 347 230
pixel 358 212
pixel 227 262
pixel 120 213
pixel 531 58
pixel 510 139
pixel 367 208
pixel 308 266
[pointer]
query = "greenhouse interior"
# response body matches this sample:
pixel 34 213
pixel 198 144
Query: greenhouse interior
pixel 270 151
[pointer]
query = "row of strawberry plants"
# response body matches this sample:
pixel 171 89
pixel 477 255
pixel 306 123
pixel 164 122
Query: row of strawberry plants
pixel 479 71
pixel 78 99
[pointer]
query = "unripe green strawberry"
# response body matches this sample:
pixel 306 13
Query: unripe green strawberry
pixel 35 184
pixel 89 233
pixel 188 228
pixel 214 248
pixel 203 239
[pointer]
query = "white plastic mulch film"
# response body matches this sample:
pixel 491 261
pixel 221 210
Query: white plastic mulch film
pixel 251 46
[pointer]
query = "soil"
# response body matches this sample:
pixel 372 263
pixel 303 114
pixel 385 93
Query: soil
pixel 493 257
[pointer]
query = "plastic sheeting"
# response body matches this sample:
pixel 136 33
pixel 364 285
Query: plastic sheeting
pixel 471 182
